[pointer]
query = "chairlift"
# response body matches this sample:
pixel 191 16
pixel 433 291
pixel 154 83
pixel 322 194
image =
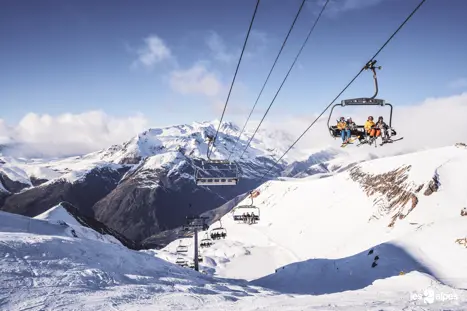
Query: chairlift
pixel 248 213
pixel 359 131
pixel 206 242
pixel 200 258
pixel 242 211
pixel 216 172
pixel 182 248
pixel 181 262
pixel 218 233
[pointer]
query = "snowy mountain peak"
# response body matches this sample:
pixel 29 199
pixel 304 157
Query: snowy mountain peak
pixel 58 214
pixel 191 140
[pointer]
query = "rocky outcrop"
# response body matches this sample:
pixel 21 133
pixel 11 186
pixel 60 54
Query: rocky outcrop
pixel 392 193
pixel 37 181
pixel 97 226
pixel 13 186
pixel 150 201
pixel 83 193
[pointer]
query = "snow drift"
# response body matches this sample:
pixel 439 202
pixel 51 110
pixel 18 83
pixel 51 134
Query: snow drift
pixel 378 221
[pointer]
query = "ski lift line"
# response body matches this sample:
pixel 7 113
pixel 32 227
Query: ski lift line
pixel 286 76
pixel 267 79
pixel 235 75
pixel 347 86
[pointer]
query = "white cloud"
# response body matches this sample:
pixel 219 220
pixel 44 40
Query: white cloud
pixel 435 122
pixel 152 52
pixel 70 134
pixel 256 45
pixel 195 80
pixel 218 49
pixel 339 6
pixel 459 83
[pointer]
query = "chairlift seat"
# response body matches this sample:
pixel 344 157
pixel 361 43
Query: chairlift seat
pixel 182 249
pixel 238 212
pixel 359 131
pixel 217 173
pixel 181 262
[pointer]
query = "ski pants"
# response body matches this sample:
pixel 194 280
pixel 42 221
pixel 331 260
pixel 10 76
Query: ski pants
pixel 345 133
pixel 375 132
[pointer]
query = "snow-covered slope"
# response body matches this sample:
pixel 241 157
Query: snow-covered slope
pixel 322 235
pixel 59 215
pixel 45 267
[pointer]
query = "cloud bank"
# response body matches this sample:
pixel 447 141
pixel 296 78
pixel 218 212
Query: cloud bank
pixel 68 134
pixel 436 122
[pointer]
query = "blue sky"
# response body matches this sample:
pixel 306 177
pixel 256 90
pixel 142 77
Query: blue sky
pixel 173 61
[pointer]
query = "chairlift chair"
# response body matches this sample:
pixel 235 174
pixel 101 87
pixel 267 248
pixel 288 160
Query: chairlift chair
pixel 216 172
pixel 182 248
pixel 359 131
pixel 181 262
pixel 246 209
pixel 240 211
pixel 206 242
pixel 218 232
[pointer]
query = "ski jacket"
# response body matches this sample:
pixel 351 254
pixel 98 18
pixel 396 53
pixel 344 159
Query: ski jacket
pixel 381 125
pixel 341 125
pixel 351 125
pixel 368 125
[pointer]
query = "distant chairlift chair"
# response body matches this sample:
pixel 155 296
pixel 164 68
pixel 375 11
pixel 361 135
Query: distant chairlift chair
pixel 206 242
pixel 181 262
pixel 247 213
pixel 216 172
pixel 241 213
pixel 182 248
pixel 219 232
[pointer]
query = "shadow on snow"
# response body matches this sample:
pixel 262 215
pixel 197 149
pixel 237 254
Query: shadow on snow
pixel 325 276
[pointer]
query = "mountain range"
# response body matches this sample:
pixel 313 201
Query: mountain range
pixel 145 186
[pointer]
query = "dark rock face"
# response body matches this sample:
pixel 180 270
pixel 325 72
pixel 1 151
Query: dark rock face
pixel 37 181
pixel 12 186
pixel 83 194
pixel 101 228
pixel 148 202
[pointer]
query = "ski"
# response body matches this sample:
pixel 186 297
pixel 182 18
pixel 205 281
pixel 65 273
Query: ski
pixel 392 140
pixel 350 141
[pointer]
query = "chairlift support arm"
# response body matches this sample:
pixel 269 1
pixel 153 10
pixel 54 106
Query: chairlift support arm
pixel 371 66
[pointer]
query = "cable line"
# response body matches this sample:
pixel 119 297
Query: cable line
pixel 286 76
pixel 267 79
pixel 347 86
pixel 233 80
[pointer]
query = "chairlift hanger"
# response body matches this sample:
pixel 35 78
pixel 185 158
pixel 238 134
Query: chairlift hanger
pixel 363 101
pixel 231 168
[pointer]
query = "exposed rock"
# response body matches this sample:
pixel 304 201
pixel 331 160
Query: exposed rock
pixel 149 201
pixel 97 225
pixel 433 186
pixel 12 186
pixel 392 191
pixel 83 194
pixel 37 181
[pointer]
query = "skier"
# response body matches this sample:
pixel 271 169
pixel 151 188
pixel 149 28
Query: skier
pixel 369 125
pixel 345 131
pixel 378 127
